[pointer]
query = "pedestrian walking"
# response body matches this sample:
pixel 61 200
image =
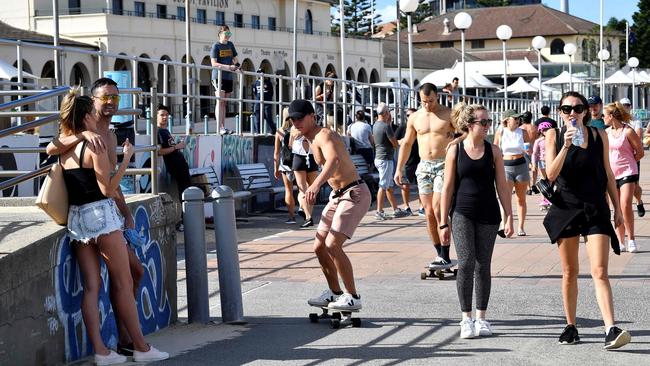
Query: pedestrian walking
pixel 531 132
pixel 410 166
pixel 223 55
pixel 263 89
pixel 282 161
pixel 473 168
pixel 305 170
pixel 625 150
pixel 583 177
pixel 596 110
pixel 361 133
pixel 637 125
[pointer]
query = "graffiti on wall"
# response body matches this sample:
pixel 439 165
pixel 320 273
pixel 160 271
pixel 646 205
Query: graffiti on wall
pixel 152 302
pixel 236 150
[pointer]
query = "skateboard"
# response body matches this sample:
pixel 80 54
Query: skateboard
pixel 439 271
pixel 337 318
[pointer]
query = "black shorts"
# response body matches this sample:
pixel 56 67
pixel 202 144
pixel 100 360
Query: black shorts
pixel 409 173
pixel 629 179
pixel 226 85
pixel 580 226
pixel 300 163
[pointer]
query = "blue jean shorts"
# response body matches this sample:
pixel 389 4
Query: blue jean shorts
pixel 91 220
pixel 386 169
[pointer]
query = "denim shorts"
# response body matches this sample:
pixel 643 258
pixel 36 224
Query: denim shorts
pixel 430 175
pixel 386 169
pixel 91 220
pixel 517 173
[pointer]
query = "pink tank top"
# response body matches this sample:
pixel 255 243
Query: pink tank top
pixel 621 155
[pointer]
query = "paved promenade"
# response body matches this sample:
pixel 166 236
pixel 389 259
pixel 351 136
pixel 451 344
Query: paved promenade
pixel 406 320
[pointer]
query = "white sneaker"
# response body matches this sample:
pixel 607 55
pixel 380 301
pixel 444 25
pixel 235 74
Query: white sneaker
pixel 110 359
pixel 621 247
pixel 324 299
pixel 467 328
pixel 346 302
pixel 151 355
pixel 631 246
pixel 482 328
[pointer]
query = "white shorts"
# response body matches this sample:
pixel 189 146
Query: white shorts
pixel 89 221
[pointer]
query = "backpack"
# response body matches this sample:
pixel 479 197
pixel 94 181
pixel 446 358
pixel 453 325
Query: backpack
pixel 286 156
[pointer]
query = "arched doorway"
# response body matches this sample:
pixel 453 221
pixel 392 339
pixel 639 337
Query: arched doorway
pixel 330 68
pixel 309 22
pixel 374 76
pixel 362 77
pixel 171 79
pixel 122 64
pixel 206 106
pixel 349 74
pixel 79 75
pixel 183 78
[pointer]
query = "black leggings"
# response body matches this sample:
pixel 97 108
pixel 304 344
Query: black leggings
pixel 474 246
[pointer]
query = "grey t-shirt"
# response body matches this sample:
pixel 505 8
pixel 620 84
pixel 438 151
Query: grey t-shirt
pixel 360 133
pixel 382 132
pixel 224 53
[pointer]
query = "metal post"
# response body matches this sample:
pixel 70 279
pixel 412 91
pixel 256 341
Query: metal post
pixel 539 78
pixel 602 63
pixel 225 234
pixel 196 266
pixel 165 82
pixel 188 100
pixel 217 114
pixel 505 78
pixel 398 103
pixel 410 41
pixel 154 140
pixel 294 67
pixel 134 84
pixel 627 40
pixel 147 114
pixel 260 122
pixel 100 64
pixel 188 69
pixel 462 58
pixel 57 53
pixel 343 75
pixel 570 75
pixel 633 91
pixel 205 124
pixel 240 110
pixel 19 62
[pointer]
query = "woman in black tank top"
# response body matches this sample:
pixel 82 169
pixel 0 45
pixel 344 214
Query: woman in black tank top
pixel 583 177
pixel 95 228
pixel 472 170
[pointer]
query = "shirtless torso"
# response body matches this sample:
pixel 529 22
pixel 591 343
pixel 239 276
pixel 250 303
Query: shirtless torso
pixel 327 144
pixel 433 130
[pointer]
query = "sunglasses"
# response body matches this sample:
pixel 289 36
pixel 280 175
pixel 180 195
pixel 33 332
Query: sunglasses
pixel 227 33
pixel 484 122
pixel 105 98
pixel 566 109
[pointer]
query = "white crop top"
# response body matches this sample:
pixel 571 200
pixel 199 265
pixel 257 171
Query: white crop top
pixel 299 148
pixel 512 142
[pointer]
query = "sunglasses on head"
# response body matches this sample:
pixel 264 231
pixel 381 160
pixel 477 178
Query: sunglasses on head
pixel 227 33
pixel 105 98
pixel 484 122
pixel 566 109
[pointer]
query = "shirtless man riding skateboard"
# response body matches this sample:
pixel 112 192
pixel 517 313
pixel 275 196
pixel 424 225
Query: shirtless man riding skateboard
pixel 348 203
pixel 432 127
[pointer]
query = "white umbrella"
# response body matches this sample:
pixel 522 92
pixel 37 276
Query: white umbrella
pixel 535 84
pixel 640 77
pixel 520 86
pixel 564 78
pixel 619 78
pixel 442 77
pixel 8 72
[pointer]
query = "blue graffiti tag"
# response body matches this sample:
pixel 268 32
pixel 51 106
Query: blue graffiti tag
pixel 152 301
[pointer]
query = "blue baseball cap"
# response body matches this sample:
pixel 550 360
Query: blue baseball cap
pixel 594 99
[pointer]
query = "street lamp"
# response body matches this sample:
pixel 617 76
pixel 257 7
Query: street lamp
pixel 539 42
pixel 570 50
pixel 504 33
pixel 603 55
pixel 633 62
pixel 408 7
pixel 463 21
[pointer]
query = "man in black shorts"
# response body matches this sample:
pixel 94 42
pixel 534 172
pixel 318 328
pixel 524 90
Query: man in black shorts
pixel 223 55
pixel 410 167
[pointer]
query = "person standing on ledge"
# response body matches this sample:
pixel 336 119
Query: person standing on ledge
pixel 348 203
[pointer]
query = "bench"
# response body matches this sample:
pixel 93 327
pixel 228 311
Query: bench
pixel 256 179
pixel 207 179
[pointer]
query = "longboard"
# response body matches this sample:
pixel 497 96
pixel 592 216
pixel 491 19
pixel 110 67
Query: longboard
pixel 337 318
pixel 439 271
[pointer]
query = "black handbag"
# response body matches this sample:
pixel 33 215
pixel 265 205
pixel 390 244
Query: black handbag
pixel 547 189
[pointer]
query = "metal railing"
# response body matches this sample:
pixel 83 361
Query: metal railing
pixel 19 176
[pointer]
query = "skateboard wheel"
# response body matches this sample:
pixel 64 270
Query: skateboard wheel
pixel 324 311
pixel 455 272
pixel 356 322
pixel 423 276
pixel 441 276
pixel 335 323
pixel 313 317
pixel 336 316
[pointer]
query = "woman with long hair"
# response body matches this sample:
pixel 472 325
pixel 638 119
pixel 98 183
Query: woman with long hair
pixel 95 229
pixel 583 177
pixel 282 136
pixel 472 170
pixel 625 149
pixel 512 140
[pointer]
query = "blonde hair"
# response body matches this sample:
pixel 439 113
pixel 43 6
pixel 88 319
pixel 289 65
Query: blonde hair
pixel 618 111
pixel 286 121
pixel 463 114
pixel 330 124
pixel 74 109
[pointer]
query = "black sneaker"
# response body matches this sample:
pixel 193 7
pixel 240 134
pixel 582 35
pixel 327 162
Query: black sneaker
pixel 640 210
pixel 301 213
pixel 569 335
pixel 308 223
pixel 534 189
pixel 617 338
pixel 125 349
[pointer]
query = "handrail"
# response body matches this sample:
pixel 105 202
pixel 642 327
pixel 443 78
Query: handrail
pixel 28 126
pixel 23 177
pixel 27 150
pixel 35 98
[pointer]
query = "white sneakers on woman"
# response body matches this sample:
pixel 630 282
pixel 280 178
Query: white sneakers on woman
pixel 151 355
pixel 110 359
pixel 470 328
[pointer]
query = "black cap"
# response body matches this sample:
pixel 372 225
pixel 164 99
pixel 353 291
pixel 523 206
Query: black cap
pixel 299 108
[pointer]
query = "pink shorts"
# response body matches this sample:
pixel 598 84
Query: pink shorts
pixel 344 213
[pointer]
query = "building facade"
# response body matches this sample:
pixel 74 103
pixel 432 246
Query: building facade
pixel 155 29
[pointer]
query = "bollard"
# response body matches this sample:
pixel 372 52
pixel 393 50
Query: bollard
pixel 225 234
pixel 205 124
pixel 196 266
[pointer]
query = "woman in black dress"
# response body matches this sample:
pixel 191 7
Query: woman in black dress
pixel 583 177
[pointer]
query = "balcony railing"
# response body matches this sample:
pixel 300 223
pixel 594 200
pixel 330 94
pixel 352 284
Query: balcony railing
pixel 215 22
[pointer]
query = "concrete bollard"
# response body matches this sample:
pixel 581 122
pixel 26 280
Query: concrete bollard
pixel 196 266
pixel 225 234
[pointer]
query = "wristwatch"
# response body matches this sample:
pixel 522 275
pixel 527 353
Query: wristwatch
pixel 443 226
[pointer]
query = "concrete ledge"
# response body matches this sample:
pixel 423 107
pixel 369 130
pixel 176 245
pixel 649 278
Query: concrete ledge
pixel 41 288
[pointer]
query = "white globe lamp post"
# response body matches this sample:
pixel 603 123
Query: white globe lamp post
pixel 539 43
pixel 633 62
pixel 570 50
pixel 504 33
pixel 463 21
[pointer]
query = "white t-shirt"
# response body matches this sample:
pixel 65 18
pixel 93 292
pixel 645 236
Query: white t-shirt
pixel 360 133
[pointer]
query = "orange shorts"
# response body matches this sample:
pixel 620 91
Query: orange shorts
pixel 344 213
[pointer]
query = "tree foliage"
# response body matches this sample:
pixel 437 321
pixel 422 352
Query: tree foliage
pixel 358 17
pixel 640 34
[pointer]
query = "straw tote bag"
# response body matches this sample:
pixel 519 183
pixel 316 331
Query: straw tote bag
pixel 53 196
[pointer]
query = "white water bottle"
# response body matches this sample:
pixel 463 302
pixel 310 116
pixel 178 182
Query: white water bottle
pixel 578 138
